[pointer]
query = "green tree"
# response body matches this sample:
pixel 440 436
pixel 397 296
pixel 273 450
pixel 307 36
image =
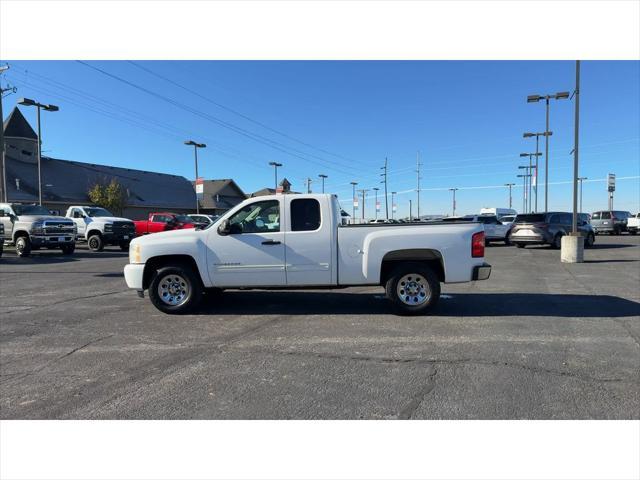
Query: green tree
pixel 109 195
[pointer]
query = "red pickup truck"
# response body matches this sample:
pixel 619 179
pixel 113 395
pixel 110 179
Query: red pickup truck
pixel 161 222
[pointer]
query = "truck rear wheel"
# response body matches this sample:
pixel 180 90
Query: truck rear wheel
pixel 413 289
pixel 175 290
pixel 23 246
pixel 95 242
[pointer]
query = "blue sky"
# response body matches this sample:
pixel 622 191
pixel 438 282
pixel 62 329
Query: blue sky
pixel 342 119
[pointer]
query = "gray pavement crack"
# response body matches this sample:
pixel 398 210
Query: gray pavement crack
pixel 68 300
pixel 407 412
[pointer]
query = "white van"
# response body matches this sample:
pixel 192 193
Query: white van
pixel 498 212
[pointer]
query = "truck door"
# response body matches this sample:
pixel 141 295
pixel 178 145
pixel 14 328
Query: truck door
pixel 79 219
pixel 252 252
pixel 158 223
pixel 308 243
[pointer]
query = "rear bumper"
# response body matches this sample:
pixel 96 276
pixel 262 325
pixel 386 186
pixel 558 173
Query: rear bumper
pixel 481 272
pixel 133 275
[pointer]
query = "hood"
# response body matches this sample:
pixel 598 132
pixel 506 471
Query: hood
pixel 110 219
pixel 168 235
pixel 36 218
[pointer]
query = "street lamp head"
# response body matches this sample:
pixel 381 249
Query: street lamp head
pixel 534 98
pixel 354 183
pixel 189 142
pixel 528 134
pixel 275 164
pixel 27 102
pixel 322 175
pixel 524 154
pixel 51 108
pixel 376 188
pixel 561 95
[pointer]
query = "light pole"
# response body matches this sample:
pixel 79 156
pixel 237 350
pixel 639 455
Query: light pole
pixel 575 150
pixel 537 135
pixel 535 99
pixel 3 174
pixel 386 195
pixel 410 208
pixel 509 185
pixel 49 108
pixel 532 168
pixel 393 204
pixel 581 179
pixel 524 191
pixel 364 192
pixel 308 182
pixel 454 201
pixel 354 200
pixel 527 188
pixel 275 166
pixel 323 176
pixel 375 189
pixel 196 146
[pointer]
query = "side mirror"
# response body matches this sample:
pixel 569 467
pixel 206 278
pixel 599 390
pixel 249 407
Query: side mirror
pixel 224 228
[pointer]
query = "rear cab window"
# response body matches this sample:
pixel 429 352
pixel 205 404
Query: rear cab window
pixel 305 215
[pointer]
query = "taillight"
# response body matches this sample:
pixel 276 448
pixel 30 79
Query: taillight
pixel 477 245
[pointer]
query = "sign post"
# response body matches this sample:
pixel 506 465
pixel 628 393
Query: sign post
pixel 611 187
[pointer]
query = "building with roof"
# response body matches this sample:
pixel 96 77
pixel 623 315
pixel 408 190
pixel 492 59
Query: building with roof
pixel 218 196
pixel 66 182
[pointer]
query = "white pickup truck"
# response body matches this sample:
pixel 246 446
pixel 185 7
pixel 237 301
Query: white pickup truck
pixel 98 227
pixel 294 241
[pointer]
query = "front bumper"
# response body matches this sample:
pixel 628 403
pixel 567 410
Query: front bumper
pixel 117 238
pixel 52 240
pixel 133 275
pixel 481 272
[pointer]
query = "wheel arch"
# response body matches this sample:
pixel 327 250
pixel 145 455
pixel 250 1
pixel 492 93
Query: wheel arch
pixel 426 256
pixel 20 233
pixel 154 263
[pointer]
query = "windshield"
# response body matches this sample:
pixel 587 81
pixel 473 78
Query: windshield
pixel 183 219
pixel 97 212
pixel 531 218
pixel 30 210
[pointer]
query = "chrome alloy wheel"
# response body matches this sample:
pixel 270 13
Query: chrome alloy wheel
pixel 173 290
pixel 413 289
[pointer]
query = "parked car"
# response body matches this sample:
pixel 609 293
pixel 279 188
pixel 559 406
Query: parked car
pixel 30 227
pixel 202 220
pixel 610 221
pixel 248 248
pixel 507 219
pixel 1 237
pixel 161 222
pixel 498 212
pixel 633 224
pixel 548 228
pixel 494 229
pixel 98 227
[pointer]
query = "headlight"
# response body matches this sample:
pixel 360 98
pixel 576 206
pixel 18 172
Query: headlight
pixel 108 227
pixel 134 253
pixel 37 229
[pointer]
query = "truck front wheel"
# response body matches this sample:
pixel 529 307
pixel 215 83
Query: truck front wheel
pixel 23 246
pixel 175 290
pixel 413 289
pixel 95 242
pixel 68 249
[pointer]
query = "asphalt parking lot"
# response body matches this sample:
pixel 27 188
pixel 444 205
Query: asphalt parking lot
pixel 538 340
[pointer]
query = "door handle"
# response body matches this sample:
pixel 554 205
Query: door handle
pixel 271 242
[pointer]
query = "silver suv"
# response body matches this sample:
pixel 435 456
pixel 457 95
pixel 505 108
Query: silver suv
pixel 30 227
pixel 610 221
pixel 548 228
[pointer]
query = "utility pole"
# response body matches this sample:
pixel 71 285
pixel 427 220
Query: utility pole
pixel 323 176
pixel 393 204
pixel 375 189
pixel 410 216
pixel 509 185
pixel 386 196
pixel 454 200
pixel 581 179
pixel 418 164
pixel 537 135
pixel 575 151
pixel 309 185
pixel 275 166
pixel 531 167
pixel 3 165
pixel 526 187
pixel 364 192
pixel 354 201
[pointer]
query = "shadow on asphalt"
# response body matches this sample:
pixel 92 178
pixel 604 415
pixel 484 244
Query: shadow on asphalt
pixel 44 257
pixel 459 304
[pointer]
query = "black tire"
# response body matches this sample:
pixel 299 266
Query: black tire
pixel 68 249
pixel 520 245
pixel 1 248
pixel 617 231
pixel 425 285
pixel 557 241
pixel 124 246
pixel 181 286
pixel 23 246
pixel 507 241
pixel 95 243
pixel 633 232
pixel 590 240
